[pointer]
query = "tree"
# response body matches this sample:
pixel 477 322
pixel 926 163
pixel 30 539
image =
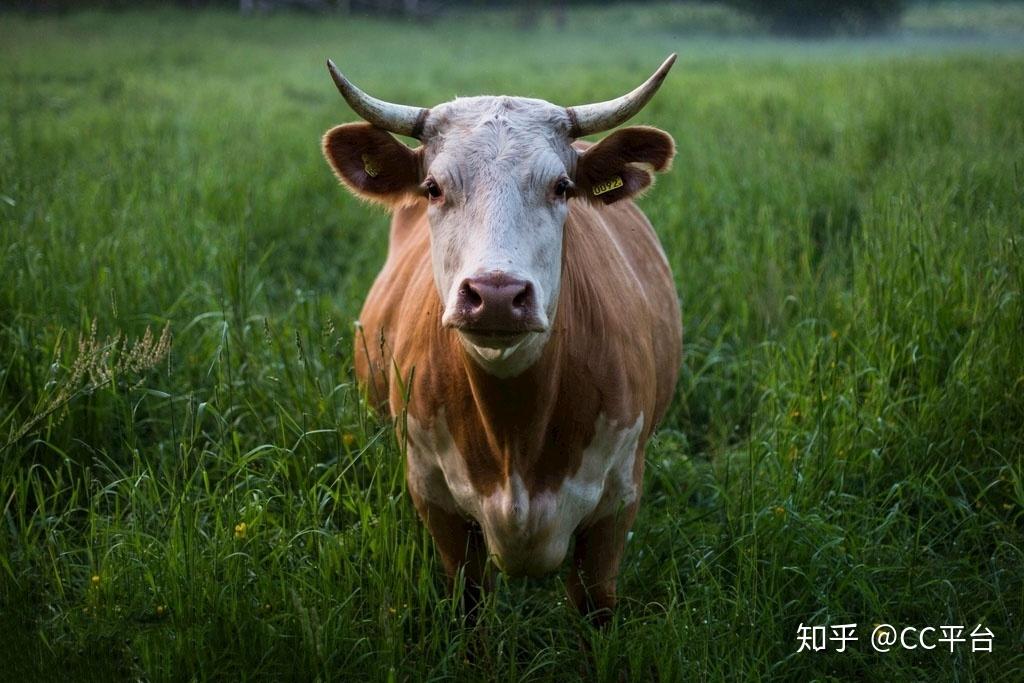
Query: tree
pixel 816 18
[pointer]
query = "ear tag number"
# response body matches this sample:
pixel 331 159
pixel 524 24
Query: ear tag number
pixel 613 184
pixel 370 167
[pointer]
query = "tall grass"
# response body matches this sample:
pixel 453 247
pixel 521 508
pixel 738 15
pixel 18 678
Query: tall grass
pixel 845 226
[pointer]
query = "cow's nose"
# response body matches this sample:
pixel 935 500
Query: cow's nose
pixel 496 303
pixel 496 294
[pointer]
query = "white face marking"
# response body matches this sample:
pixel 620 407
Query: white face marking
pixel 524 534
pixel 497 161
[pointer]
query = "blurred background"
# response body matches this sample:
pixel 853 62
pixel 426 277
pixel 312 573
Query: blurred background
pixel 806 18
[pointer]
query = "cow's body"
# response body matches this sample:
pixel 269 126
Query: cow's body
pixel 525 330
pixel 530 458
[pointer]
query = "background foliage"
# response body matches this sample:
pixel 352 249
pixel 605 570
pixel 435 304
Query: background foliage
pixel 800 17
pixel 844 222
pixel 813 17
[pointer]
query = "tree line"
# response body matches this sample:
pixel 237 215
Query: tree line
pixel 793 17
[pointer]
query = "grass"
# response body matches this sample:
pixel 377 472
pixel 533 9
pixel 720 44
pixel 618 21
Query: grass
pixel 847 443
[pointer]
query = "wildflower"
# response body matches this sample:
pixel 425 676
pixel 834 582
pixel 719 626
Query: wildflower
pixel 349 439
pixel 95 580
pixel 834 335
pixel 795 415
pixel 160 609
pixel 780 511
pixel 240 530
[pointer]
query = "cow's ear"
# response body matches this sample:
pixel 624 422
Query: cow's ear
pixel 622 164
pixel 372 163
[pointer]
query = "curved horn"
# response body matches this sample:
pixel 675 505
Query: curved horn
pixel 396 118
pixel 601 116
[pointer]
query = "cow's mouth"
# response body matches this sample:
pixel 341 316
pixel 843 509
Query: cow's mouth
pixel 494 339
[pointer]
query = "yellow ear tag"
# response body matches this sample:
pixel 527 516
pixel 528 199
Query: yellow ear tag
pixel 370 167
pixel 613 184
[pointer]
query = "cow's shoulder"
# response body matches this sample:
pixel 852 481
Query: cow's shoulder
pixel 391 314
pixel 620 310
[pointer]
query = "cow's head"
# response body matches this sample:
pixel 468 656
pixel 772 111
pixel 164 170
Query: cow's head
pixel 497 175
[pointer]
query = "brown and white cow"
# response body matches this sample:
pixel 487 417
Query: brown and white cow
pixel 526 319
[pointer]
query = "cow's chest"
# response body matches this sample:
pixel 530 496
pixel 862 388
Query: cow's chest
pixel 527 533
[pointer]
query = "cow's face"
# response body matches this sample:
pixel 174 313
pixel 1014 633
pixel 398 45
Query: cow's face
pixel 496 175
pixel 497 178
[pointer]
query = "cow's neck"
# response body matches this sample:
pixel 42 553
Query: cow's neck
pixel 535 423
pixel 514 411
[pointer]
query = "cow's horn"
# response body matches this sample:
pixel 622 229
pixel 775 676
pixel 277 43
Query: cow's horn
pixel 586 119
pixel 397 118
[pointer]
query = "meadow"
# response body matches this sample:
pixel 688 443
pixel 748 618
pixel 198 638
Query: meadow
pixel 212 500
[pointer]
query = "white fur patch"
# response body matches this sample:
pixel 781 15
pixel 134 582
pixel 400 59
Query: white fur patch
pixel 511 361
pixel 528 534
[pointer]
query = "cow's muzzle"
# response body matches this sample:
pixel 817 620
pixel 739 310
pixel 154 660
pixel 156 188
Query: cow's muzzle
pixel 495 307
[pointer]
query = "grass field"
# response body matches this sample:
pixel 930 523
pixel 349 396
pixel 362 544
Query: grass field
pixel 847 443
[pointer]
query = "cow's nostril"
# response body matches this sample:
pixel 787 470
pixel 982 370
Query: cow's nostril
pixel 470 295
pixel 522 299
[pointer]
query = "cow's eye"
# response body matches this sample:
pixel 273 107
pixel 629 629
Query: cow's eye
pixel 562 187
pixel 433 189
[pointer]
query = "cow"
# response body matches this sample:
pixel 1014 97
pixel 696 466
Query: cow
pixel 525 331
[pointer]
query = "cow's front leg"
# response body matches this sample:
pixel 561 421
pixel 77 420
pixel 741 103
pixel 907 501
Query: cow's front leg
pixel 461 546
pixel 595 566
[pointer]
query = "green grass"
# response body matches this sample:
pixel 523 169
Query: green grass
pixel 847 443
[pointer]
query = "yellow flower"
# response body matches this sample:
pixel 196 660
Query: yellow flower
pixel 160 609
pixel 780 511
pixel 349 439
pixel 795 415
pixel 240 530
pixel 95 580
pixel 834 335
